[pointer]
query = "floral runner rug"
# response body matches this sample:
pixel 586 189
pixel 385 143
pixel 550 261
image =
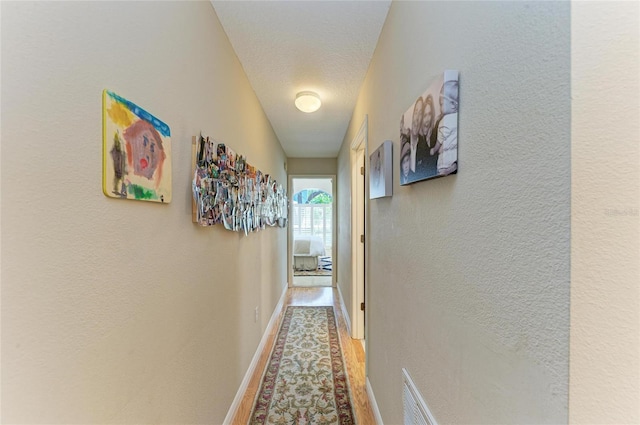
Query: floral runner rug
pixel 305 381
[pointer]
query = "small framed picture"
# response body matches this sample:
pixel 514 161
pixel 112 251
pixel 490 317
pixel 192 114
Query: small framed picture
pixel 381 171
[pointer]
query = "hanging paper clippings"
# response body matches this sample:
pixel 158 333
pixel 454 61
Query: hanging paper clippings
pixel 228 190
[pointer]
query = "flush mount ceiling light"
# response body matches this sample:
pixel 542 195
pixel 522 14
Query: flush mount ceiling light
pixel 308 101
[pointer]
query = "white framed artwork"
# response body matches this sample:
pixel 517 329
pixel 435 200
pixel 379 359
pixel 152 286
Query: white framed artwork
pixel 381 171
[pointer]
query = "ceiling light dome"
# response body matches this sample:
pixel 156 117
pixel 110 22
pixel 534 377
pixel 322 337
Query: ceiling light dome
pixel 308 101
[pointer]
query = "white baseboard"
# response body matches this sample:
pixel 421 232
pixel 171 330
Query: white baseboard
pixel 254 362
pixel 345 314
pixel 374 404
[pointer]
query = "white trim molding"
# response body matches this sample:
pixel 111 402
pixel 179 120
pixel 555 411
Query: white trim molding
pixel 345 312
pixel 374 404
pixel 362 134
pixel 359 221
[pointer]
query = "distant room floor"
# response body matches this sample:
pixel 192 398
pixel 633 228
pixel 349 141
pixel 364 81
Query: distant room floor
pixel 312 281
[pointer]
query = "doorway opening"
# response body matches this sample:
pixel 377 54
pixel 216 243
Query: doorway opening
pixel 312 227
pixel 357 310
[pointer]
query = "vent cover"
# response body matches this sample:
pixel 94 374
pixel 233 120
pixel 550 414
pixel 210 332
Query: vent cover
pixel 416 411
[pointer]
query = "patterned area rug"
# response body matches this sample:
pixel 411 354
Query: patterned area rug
pixel 324 268
pixel 305 381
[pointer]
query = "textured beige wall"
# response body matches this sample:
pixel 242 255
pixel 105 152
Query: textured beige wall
pixel 605 224
pixel 124 311
pixel 468 283
pixel 311 166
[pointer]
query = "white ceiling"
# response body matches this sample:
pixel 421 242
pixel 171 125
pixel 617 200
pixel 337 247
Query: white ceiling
pixel 289 46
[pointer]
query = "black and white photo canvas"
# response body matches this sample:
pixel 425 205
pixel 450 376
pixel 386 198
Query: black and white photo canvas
pixel 381 171
pixel 429 132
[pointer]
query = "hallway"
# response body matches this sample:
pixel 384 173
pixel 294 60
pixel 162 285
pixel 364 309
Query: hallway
pixel 507 291
pixel 352 350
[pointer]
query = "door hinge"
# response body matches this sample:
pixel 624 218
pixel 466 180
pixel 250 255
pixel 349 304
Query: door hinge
pixel 362 238
pixel 362 171
pixel 362 306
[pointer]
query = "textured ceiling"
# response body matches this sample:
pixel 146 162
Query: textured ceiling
pixel 289 46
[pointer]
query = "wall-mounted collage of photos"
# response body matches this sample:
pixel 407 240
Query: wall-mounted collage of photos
pixel 227 190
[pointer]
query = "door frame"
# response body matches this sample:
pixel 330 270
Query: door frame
pixel 334 213
pixel 358 257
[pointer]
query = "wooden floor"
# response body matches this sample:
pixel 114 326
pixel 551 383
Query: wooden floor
pixel 352 349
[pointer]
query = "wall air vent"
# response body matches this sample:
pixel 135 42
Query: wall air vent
pixel 416 411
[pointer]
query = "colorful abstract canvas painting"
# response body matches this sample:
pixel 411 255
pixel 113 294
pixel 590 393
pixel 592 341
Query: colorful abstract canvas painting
pixel 136 152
